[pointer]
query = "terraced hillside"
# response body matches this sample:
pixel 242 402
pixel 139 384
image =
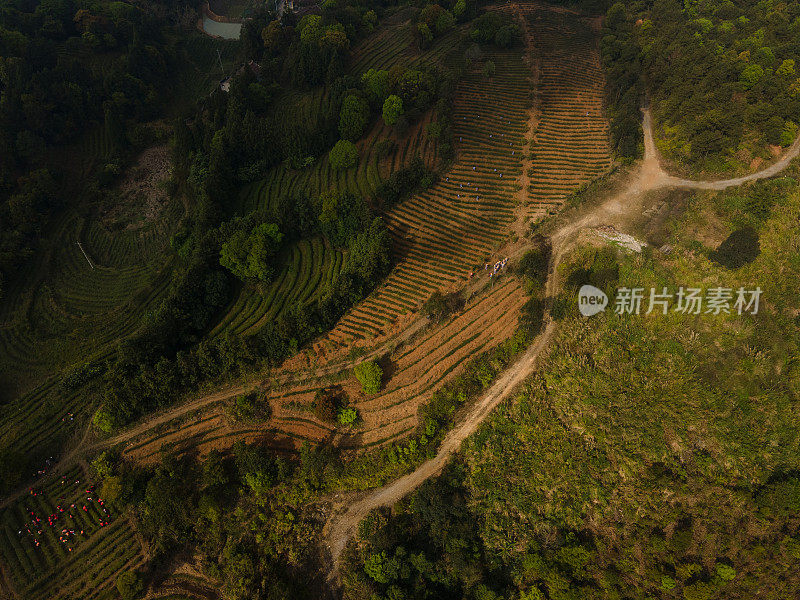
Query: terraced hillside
pixel 89 288
pixel 391 45
pixel 445 233
pixel 64 310
pixel 441 235
pixel 571 146
pixel 414 370
pixel 63 541
pixel 310 266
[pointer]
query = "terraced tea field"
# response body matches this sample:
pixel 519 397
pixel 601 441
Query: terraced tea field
pixel 450 229
pixel 252 308
pixel 310 267
pixel 571 145
pixel 64 542
pixel 43 420
pixel 72 307
pixel 441 236
pixel 415 370
pixel 445 233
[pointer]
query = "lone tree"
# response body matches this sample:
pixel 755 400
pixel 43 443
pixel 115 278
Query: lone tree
pixel 249 255
pixel 326 404
pixel 439 305
pixel 129 585
pixel 344 155
pixel 353 118
pixel 369 374
pixel 392 109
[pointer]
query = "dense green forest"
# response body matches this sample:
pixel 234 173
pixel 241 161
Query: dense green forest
pixel 53 89
pixel 720 77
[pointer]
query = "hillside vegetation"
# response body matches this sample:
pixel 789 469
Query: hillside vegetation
pixel 251 290
pixel 650 456
pixel 721 78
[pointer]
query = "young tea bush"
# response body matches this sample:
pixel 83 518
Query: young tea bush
pixel 369 374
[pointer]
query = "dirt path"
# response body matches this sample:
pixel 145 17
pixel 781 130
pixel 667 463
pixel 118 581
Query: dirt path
pixel 662 179
pixel 342 527
pixel 617 210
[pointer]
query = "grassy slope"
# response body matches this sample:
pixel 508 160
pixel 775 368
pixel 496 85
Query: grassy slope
pixel 640 428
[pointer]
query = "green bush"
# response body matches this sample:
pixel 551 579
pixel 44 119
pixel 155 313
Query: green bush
pixel 788 134
pixel 112 488
pixel 347 416
pixel 534 265
pixel 249 255
pixel 369 374
pixel 440 306
pixel 353 118
pixel 129 585
pixel 344 155
pixel 376 85
pixel 725 572
pixel 103 421
pixel 247 408
pixel 392 109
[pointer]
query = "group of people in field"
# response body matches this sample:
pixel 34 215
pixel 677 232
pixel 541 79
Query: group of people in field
pixel 474 167
pixel 498 266
pixel 63 518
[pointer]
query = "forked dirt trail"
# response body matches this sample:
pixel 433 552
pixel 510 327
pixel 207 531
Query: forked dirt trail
pixel 342 527
pixel 656 177
pixel 618 210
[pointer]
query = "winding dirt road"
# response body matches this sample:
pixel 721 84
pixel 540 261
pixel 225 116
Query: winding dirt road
pixel 617 210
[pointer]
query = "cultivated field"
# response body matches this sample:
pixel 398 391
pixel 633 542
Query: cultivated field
pixel 450 230
pixel 65 541
pixel 571 143
pixel 442 234
pixel 413 371
pixel 310 266
pixel 389 46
